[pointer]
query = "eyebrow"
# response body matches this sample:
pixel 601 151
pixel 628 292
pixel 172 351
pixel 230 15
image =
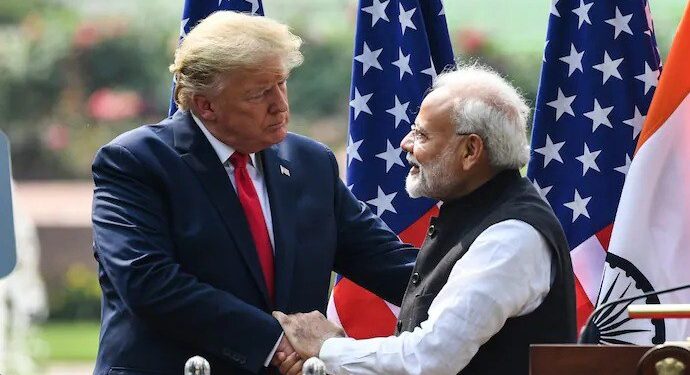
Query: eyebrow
pixel 418 127
pixel 257 89
pixel 267 86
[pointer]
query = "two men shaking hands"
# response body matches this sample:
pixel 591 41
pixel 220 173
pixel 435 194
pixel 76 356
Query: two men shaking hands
pixel 216 229
pixel 306 334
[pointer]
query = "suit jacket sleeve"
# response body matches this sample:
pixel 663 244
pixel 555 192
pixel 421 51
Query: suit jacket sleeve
pixel 368 252
pixel 134 248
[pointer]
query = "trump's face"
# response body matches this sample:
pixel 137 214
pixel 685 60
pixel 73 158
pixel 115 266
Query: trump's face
pixel 251 112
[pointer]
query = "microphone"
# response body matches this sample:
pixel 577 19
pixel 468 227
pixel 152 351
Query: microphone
pixel 314 366
pixel 197 366
pixel 590 333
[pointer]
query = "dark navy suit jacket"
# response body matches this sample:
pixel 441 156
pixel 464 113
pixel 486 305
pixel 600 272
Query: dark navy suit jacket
pixel 177 265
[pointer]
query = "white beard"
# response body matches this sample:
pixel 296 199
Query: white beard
pixel 414 185
pixel 432 180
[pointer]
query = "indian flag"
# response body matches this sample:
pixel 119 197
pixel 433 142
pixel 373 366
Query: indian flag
pixel 650 243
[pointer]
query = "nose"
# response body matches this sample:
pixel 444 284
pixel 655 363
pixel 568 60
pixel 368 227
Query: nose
pixel 407 143
pixel 280 100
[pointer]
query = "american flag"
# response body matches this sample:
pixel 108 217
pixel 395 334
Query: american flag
pixel 601 66
pixel 400 46
pixel 196 10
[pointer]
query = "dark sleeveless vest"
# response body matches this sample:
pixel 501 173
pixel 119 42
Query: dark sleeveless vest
pixel 506 196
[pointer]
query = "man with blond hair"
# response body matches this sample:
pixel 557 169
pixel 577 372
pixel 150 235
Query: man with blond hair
pixel 494 273
pixel 209 220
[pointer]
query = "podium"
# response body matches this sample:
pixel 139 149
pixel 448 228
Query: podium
pixel 609 359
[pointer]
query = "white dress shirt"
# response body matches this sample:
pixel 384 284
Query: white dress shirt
pixel 254 168
pixel 506 272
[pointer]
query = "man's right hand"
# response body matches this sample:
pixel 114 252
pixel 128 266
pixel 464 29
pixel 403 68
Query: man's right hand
pixel 286 359
pixel 282 352
pixel 307 332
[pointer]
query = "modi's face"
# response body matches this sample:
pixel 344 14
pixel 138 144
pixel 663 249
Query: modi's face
pixel 431 146
pixel 430 179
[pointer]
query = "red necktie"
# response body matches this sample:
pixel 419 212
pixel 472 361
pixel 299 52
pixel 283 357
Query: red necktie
pixel 255 218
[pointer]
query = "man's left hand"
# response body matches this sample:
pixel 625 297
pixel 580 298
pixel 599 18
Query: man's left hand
pixel 308 332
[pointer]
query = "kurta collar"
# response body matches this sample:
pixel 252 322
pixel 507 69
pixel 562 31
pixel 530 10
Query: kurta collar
pixel 484 194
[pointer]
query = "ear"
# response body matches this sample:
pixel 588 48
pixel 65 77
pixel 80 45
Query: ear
pixel 203 108
pixel 473 151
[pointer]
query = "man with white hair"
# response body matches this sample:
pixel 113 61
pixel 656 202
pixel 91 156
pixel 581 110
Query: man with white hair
pixel 494 273
pixel 211 219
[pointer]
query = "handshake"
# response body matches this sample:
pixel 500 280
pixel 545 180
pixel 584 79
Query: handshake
pixel 304 334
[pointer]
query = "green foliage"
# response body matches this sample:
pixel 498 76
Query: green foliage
pixel 14 11
pixel 26 100
pixel 129 61
pixel 320 87
pixel 32 160
pixel 70 341
pixel 52 60
pixel 56 54
pixel 31 78
pixel 78 297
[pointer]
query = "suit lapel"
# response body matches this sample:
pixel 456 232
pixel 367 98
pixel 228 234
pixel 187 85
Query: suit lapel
pixel 282 195
pixel 197 152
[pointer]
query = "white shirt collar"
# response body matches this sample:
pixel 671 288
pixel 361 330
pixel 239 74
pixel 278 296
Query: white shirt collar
pixel 222 150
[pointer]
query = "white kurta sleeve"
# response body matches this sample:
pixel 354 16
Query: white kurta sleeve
pixel 506 272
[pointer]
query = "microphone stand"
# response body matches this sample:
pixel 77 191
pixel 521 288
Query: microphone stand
pixel 588 335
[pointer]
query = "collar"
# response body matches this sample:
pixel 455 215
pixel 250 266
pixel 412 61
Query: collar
pixel 485 194
pixel 222 150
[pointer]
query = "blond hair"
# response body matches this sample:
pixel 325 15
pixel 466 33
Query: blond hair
pixel 224 42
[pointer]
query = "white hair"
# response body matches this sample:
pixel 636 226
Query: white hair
pixel 487 105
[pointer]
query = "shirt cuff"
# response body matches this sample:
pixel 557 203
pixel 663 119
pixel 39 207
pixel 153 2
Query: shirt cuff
pixel 273 352
pixel 334 353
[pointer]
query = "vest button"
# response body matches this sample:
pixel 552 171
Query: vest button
pixel 432 231
pixel 415 278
